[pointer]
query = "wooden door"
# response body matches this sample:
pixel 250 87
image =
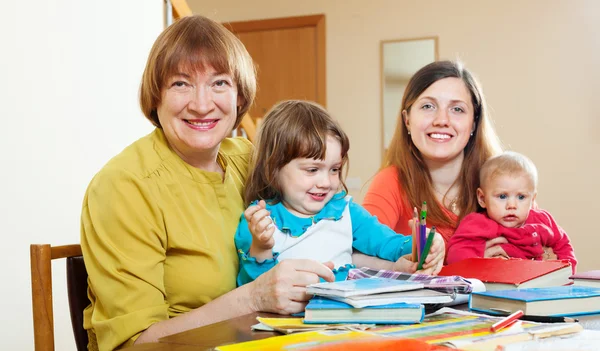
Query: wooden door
pixel 290 57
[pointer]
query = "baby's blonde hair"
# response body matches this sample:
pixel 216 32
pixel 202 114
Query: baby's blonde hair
pixel 511 163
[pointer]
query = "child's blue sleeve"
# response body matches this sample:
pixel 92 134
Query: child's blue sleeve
pixel 375 239
pixel 250 269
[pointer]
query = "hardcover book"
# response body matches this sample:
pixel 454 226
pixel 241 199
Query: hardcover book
pixel 589 278
pixel 323 310
pixel 500 274
pixel 554 301
pixel 365 286
pixel 421 296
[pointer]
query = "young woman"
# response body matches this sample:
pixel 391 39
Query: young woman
pixel 441 141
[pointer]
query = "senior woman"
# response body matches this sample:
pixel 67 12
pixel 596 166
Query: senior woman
pixel 158 220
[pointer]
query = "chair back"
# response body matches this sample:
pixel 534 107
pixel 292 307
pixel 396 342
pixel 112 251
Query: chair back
pixel 41 293
pixel 78 299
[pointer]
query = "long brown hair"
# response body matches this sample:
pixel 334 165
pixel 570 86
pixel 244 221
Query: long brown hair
pixel 413 172
pixel 291 129
pixel 192 43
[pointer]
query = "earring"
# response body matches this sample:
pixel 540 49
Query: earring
pixel 471 133
pixel 409 132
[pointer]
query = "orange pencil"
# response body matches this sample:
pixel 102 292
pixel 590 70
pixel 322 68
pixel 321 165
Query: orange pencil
pixel 415 236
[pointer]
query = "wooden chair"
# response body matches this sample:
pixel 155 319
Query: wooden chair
pixel 41 293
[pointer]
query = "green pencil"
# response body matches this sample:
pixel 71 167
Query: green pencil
pixel 424 211
pixel 426 248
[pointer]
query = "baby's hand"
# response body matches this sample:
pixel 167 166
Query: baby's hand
pixel 261 226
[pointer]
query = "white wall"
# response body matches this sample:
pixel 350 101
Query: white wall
pixel 69 77
pixel 537 60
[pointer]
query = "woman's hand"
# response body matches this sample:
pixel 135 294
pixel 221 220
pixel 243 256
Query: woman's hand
pixel 262 229
pixel 435 259
pixel 549 254
pixel 493 248
pixel 283 289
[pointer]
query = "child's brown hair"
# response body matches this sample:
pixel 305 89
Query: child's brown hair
pixel 291 129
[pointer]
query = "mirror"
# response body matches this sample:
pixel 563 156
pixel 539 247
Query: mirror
pixel 400 59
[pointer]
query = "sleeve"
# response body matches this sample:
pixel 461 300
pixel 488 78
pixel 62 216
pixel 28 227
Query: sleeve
pixel 470 237
pixel 123 240
pixel 560 243
pixel 250 269
pixel 384 198
pixel 514 251
pixel 375 239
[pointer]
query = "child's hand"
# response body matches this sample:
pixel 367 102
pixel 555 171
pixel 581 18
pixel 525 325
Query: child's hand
pixel 262 228
pixel 435 259
pixel 404 264
pixel 493 248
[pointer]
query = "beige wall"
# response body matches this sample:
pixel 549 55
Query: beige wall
pixel 538 60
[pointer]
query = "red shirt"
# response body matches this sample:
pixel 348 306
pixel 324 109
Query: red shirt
pixel 386 200
pixel 540 230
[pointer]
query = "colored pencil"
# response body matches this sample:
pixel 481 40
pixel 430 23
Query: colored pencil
pixel 426 248
pixel 505 322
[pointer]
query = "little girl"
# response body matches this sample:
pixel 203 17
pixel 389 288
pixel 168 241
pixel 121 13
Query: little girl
pixel 299 204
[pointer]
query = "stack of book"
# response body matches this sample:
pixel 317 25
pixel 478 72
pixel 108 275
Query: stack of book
pixel 552 301
pixel 589 278
pixel 371 300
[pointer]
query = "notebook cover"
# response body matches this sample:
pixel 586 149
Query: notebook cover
pixel 321 303
pixel 364 286
pixel 498 270
pixel 543 294
pixel 591 275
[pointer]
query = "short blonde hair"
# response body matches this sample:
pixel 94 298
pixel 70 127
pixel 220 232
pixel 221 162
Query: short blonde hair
pixel 193 43
pixel 511 163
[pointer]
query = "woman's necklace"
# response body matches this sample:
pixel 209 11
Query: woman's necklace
pixel 452 205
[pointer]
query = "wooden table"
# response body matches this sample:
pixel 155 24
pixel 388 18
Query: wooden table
pixel 238 330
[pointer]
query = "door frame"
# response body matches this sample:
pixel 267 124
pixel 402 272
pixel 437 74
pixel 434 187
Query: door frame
pixel 316 21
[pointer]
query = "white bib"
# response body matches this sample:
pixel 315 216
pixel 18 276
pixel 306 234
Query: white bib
pixel 327 240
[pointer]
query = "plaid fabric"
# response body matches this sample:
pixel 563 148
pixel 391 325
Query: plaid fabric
pixel 451 284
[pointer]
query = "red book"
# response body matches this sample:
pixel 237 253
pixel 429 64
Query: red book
pixel 589 278
pixel 499 273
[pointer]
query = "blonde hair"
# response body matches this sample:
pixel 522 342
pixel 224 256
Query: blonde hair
pixel 413 172
pixel 508 163
pixel 193 43
pixel 291 129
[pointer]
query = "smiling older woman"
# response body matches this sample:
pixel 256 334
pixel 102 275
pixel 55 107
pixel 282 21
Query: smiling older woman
pixel 158 220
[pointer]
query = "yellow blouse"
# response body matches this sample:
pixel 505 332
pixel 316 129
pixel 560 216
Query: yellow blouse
pixel 157 236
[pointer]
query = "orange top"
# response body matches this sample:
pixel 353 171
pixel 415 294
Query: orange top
pixel 386 200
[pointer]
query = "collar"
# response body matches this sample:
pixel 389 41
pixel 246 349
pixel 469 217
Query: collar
pixel 295 226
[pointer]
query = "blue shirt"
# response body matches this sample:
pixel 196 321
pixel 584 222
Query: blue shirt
pixel 369 236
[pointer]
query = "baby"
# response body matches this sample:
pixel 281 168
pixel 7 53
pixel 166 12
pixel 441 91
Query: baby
pixel 508 187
